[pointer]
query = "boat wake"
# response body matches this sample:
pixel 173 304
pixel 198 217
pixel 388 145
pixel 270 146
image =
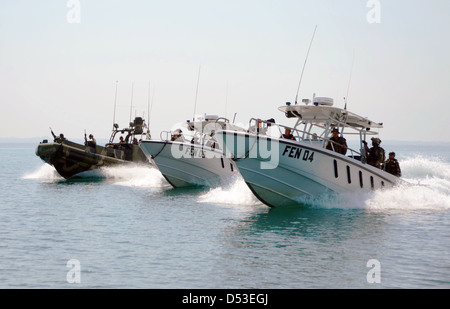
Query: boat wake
pixel 136 176
pixel 427 187
pixel 45 172
pixel 234 192
pixel 131 176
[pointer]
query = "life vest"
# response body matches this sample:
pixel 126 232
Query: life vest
pixel 290 136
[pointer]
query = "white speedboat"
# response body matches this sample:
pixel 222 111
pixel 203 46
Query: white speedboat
pixel 192 159
pixel 282 171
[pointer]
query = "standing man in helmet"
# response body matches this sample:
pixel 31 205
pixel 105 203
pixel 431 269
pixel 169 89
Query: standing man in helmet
pixel 375 155
pixel 391 166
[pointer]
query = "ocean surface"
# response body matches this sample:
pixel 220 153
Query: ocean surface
pixel 130 229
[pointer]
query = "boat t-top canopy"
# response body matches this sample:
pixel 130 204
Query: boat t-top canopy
pixel 328 116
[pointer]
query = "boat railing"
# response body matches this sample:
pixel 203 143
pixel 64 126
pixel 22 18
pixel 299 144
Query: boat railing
pixel 165 135
pixel 198 138
pixel 300 135
pixel 168 136
pixel 225 120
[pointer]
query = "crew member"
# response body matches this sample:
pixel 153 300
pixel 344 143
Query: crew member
pixel 177 136
pixel 212 142
pixel 337 143
pixel 375 155
pixel 121 144
pixel 392 166
pixel 288 135
pixel 91 142
pixel 60 139
pixel 258 128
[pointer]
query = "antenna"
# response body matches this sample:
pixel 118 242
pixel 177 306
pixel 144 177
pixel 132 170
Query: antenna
pixel 306 59
pixel 196 92
pixel 226 100
pixel 349 80
pixel 115 102
pixel 148 104
pixel 131 107
pixel 151 105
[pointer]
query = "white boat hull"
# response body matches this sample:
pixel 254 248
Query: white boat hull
pixel 297 169
pixel 185 164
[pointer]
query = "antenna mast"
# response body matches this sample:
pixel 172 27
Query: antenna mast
pixel 226 100
pixel 151 105
pixel 115 102
pixel 148 104
pixel 196 92
pixel 306 59
pixel 349 80
pixel 131 107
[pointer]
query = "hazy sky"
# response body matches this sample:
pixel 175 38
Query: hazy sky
pixel 59 73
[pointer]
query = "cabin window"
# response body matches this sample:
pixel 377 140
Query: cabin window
pixel 231 165
pixel 382 183
pixel 372 185
pixel 336 175
pixel 349 177
pixel 361 179
pixel 223 164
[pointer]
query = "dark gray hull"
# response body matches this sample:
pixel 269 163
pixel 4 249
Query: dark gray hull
pixel 70 159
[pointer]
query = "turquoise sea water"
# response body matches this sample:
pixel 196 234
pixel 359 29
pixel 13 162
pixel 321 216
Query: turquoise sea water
pixel 130 229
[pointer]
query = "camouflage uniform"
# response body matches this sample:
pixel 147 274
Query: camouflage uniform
pixel 391 166
pixel 339 145
pixel 375 155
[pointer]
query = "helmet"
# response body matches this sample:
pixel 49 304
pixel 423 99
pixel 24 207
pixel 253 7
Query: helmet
pixel 376 140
